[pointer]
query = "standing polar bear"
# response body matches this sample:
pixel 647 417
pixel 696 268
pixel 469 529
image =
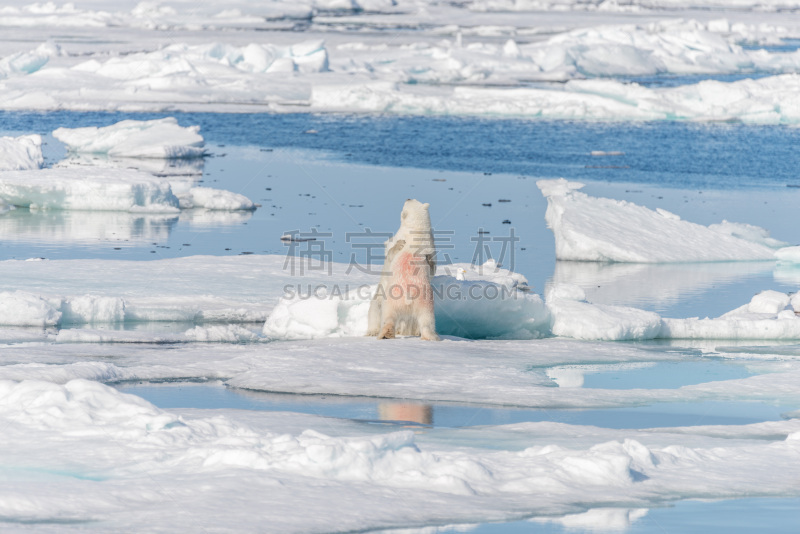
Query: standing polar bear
pixel 403 302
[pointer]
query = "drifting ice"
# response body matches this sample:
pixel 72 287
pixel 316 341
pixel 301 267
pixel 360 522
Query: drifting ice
pixel 602 229
pixel 162 138
pixel 109 190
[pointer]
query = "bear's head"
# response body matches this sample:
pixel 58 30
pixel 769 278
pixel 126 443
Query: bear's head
pixel 415 215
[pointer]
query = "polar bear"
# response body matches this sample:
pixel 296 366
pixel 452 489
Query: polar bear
pixel 403 302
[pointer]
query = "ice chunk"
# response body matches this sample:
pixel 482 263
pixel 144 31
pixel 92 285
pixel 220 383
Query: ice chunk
pixel 161 138
pixel 27 62
pixel 87 189
pixel 769 302
pixel 316 314
pixel 21 153
pixel 92 309
pixel 20 308
pixel 600 229
pixel 769 315
pixel 788 254
pixel 215 199
pixel 573 317
pixel 99 189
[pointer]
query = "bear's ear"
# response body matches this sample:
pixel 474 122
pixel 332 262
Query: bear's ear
pixel 426 205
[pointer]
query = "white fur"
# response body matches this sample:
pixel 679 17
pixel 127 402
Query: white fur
pixel 409 267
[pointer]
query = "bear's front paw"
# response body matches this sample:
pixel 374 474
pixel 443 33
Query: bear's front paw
pixel 387 332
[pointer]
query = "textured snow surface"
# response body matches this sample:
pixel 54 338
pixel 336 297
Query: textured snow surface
pixel 511 373
pixel 601 229
pixel 161 138
pixel 112 457
pixel 98 189
pixel 21 153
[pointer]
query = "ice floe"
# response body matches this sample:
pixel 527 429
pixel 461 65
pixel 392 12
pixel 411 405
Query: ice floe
pixel 202 289
pixel 160 138
pixel 21 153
pixel 600 229
pixel 573 316
pixel 22 63
pixel 788 255
pixel 99 189
pixel 769 315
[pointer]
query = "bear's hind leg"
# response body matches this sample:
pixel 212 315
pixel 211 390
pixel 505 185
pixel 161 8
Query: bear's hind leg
pixel 426 320
pixel 429 335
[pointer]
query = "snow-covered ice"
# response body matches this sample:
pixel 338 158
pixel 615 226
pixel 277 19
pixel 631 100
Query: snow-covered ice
pixel 769 315
pixel 100 189
pixel 21 153
pixel 112 449
pixel 788 254
pixel 161 138
pixel 203 289
pixel 360 72
pixel 600 229
pixel 573 317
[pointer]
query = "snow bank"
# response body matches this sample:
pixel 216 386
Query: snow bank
pixel 769 315
pixel 21 153
pixel 601 229
pixel 98 189
pixel 161 138
pixel 491 303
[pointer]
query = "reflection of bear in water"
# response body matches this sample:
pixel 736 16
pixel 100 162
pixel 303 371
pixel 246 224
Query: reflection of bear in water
pixel 403 302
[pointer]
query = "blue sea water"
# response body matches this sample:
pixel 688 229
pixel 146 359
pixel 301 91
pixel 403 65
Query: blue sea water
pixel 672 154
